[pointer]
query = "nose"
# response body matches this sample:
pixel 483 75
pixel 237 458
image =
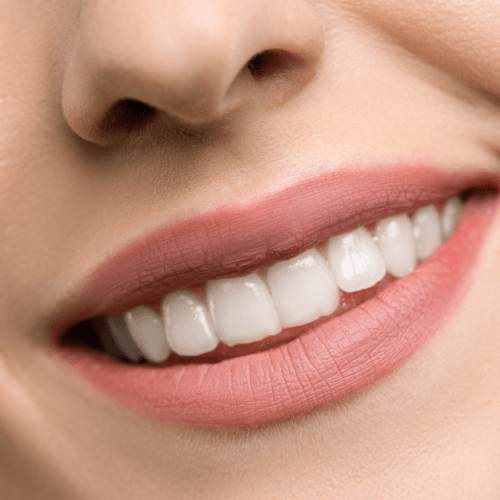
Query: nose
pixel 194 60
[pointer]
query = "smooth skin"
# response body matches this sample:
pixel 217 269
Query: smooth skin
pixel 370 80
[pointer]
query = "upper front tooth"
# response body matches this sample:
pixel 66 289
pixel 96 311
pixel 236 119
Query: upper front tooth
pixel 303 289
pixel 397 244
pixel 146 330
pixel 355 259
pixel 119 331
pixel 450 216
pixel 427 231
pixel 242 309
pixel 188 324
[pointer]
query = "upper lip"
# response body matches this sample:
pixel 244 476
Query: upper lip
pixel 240 237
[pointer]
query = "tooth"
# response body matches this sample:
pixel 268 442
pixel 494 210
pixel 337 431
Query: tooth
pixel 242 309
pixel 427 231
pixel 355 260
pixel 102 329
pixel 119 331
pixel 303 289
pixel 397 244
pixel 188 324
pixel 146 330
pixel 451 214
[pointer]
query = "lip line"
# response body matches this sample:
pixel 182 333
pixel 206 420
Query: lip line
pixel 138 273
pixel 325 364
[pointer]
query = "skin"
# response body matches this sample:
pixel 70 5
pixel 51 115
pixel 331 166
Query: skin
pixel 371 79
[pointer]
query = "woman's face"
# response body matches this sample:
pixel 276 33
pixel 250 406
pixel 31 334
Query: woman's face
pixel 144 148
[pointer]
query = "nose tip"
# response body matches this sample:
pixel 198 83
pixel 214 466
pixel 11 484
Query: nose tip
pixel 193 60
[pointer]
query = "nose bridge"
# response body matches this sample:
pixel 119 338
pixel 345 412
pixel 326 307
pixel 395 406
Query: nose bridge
pixel 179 56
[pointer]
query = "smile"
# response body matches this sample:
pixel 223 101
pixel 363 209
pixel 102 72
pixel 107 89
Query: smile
pixel 276 306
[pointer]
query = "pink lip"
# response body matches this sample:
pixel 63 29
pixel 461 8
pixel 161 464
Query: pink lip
pixel 330 360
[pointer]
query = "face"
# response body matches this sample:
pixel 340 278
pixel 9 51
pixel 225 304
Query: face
pixel 224 154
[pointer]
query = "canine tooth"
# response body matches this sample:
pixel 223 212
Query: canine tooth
pixel 146 329
pixel 119 331
pixel 451 214
pixel 188 324
pixel 303 289
pixel 427 231
pixel 242 309
pixel 355 260
pixel 397 244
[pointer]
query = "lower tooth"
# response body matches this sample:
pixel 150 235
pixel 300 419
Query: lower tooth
pixel 242 309
pixel 397 244
pixel 146 330
pixel 188 325
pixel 356 261
pixel 427 231
pixel 119 332
pixel 303 289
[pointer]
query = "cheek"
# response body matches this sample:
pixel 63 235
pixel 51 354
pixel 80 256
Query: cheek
pixel 459 38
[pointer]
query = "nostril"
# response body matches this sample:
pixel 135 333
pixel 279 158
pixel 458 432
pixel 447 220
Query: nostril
pixel 268 62
pixel 259 64
pixel 127 115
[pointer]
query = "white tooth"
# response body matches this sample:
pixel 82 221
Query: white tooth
pixel 451 214
pixel 303 289
pixel 397 244
pixel 427 231
pixel 188 324
pixel 119 331
pixel 146 330
pixel 355 260
pixel 242 309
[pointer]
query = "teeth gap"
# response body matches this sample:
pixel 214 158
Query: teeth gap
pixel 86 335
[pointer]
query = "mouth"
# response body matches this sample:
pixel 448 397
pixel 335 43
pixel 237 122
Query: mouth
pixel 282 303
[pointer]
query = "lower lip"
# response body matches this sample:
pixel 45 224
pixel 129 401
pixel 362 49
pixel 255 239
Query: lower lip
pixel 328 362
